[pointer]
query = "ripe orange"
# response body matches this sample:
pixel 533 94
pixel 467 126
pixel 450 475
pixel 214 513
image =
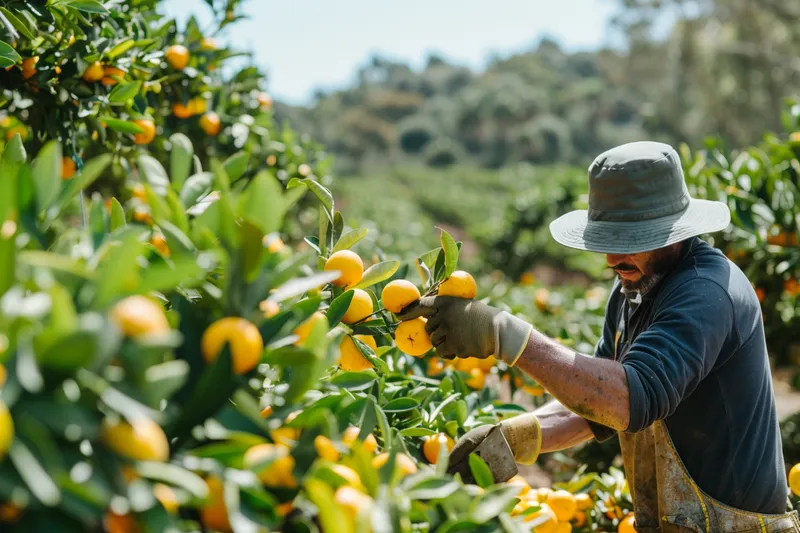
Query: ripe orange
pixel 580 519
pixel 177 56
pixel 563 504
pixel 434 443
pixel 360 307
pixel 270 308
pixel 350 266
pixel 583 501
pixel 613 510
pixel 626 524
pixel 350 476
pixel 542 299
pixel 351 500
pixel 460 284
pixel 351 358
pixel 526 278
pixel 166 496
pixel 141 214
pixel 139 192
pixel 398 294
pixel 160 243
pixel 435 366
pixel 181 111
pixel 211 124
pixel 303 330
pixel 29 66
pixel 244 339
pixel 139 316
pixel 94 72
pixel 761 294
pixel 6 429
pixel 563 527
pixel 279 472
pixel 214 514
pixel 792 287
pixel 140 439
pixel 266 412
pixel 272 159
pixel 148 133
pixel 545 513
pixel 197 106
pixel 403 463
pixel 67 168
pixel 411 337
pixel 120 523
pixel 10 512
pixel 285 435
pixel 325 448
pixel 351 434
pixel 112 76
pixel 794 479
pixel 476 379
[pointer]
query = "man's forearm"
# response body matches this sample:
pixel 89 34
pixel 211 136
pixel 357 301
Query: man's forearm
pixel 593 388
pixel 561 428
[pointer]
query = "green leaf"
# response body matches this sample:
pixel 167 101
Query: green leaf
pixel 383 425
pixel 354 380
pixel 120 48
pixel 332 517
pixel 339 307
pixel 496 500
pixel 236 165
pixel 18 23
pixel 180 162
pixel 90 172
pixel 119 267
pixel 174 475
pixel 177 240
pixel 480 471
pixel 8 56
pixel 417 432
pixel 262 202
pixel 153 173
pixel 8 254
pixel 399 405
pixel 377 273
pixel 450 253
pixel 89 6
pixel 34 475
pixel 195 187
pixel 120 125
pixel 349 239
pixel 433 488
pixel 322 193
pixel 47 174
pixel 56 262
pixel 117 215
pixel 123 92
pixel 298 286
pixel 166 276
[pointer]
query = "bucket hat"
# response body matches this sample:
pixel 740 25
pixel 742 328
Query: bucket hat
pixel 638 201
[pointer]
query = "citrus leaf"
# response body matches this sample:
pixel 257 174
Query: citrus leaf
pixel 417 432
pixel 89 6
pixel 174 475
pixel 350 238
pixel 120 125
pixel 18 24
pixel 236 165
pixel 124 92
pixel 379 364
pixel 47 174
pixel 377 273
pixel 480 471
pixel 494 501
pixel 332 517
pixel 154 173
pixel 450 253
pixel 383 425
pixel 399 405
pixel 323 194
pixel 8 56
pixel 338 307
pixel 298 286
pixel 195 187
pixel 180 161
pixel 262 202
pixel 183 271
pixel 35 476
pixel 90 172
pixel 354 380
pixel 120 48
pixel 433 488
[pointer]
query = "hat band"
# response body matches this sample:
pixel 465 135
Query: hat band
pixel 648 213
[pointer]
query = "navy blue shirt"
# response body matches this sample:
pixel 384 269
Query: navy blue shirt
pixel 699 362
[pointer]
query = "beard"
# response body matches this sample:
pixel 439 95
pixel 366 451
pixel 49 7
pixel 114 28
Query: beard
pixel 656 269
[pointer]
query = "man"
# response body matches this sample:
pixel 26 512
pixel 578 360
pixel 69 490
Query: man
pixel 681 373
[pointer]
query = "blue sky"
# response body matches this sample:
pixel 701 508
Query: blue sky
pixel 305 44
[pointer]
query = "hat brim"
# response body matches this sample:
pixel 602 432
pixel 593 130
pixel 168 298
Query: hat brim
pixel 575 230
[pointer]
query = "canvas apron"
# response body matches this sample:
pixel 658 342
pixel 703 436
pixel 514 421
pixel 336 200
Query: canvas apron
pixel 665 497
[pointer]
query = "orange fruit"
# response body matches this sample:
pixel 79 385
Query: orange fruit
pixel 476 379
pixel 142 215
pixel 580 519
pixel 181 111
pixel 791 286
pixel 67 168
pixel 542 299
pixel 6 429
pixel 177 56
pixel 563 504
pixel 270 308
pixel 349 265
pixel 563 527
pixel 140 439
pixel 148 131
pixel 166 496
pixel 613 511
pixel 112 76
pixel 351 435
pixel 279 472
pixel 304 330
pixel 325 448
pixel 272 159
pixel 526 279
pixel 350 476
pixel 160 243
pixel 411 337
pixel 138 316
pixel 214 514
pixel 208 44
pixel 94 72
pixel 761 294
pixel 244 339
pixel 352 501
pixel 22 130
pixel 210 123
pixel 433 443
pixel 794 478
pixel 360 307
pixel 120 523
pixel 460 284
pixel 197 106
pixel 583 501
pixel 139 192
pixel 398 294
pixel 403 463
pixel 435 366
pixel 266 412
pixel 546 519
pixel 351 358
pixel 10 512
pixel 626 524
pixel 264 101
pixel 273 243
pixel 285 435
pixel 29 66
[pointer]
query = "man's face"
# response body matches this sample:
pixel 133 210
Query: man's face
pixel 641 271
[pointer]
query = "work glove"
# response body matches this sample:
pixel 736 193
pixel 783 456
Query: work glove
pixel 467 328
pixel 521 443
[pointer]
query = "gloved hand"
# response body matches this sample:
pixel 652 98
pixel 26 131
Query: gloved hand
pixel 523 434
pixel 467 328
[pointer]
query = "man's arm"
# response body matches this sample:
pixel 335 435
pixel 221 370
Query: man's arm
pixel 593 388
pixel 561 428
